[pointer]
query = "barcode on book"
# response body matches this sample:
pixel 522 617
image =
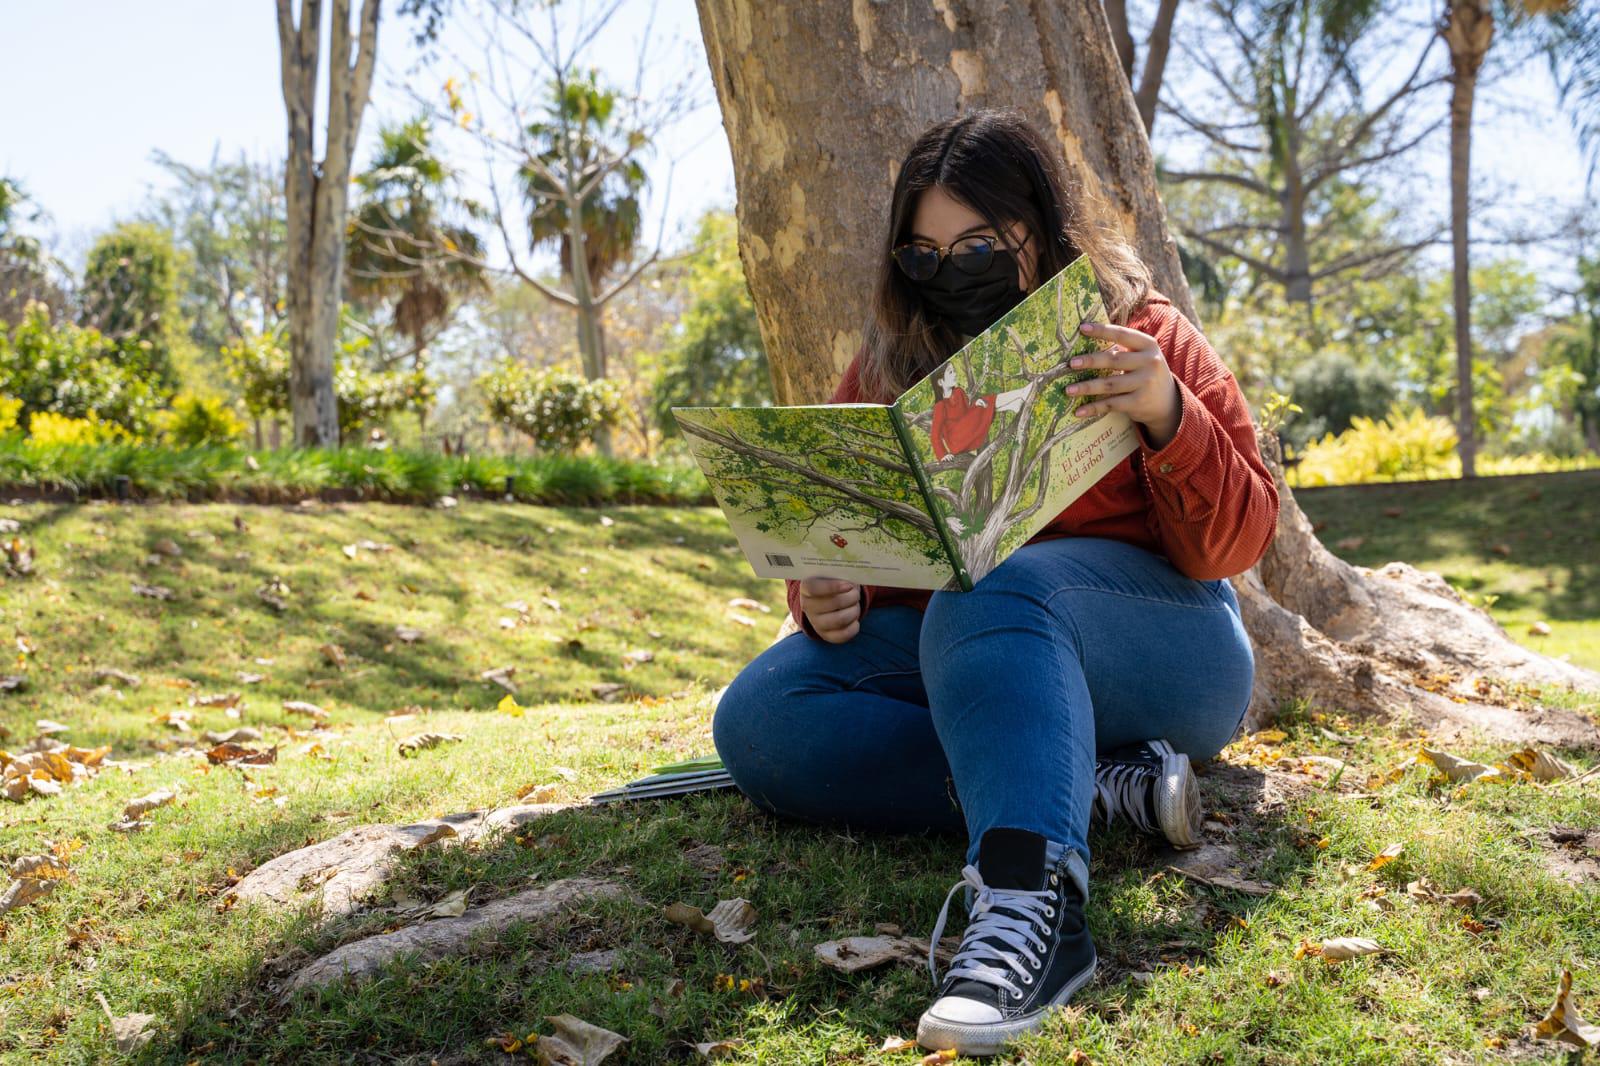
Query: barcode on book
pixel 779 560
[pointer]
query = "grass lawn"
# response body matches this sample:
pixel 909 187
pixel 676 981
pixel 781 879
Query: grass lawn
pixel 1189 972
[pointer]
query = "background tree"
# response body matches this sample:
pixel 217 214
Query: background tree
pixel 227 219
pixel 317 192
pixel 1290 135
pixel 404 235
pixel 562 154
pixel 130 295
pixel 25 269
pixel 808 169
pixel 1569 38
pixel 1147 86
pixel 712 352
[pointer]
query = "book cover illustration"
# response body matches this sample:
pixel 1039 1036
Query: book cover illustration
pixel 994 431
pixel 819 491
pixel 934 490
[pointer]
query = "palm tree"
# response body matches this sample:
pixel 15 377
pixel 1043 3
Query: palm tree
pixel 574 141
pixel 1570 40
pixel 411 242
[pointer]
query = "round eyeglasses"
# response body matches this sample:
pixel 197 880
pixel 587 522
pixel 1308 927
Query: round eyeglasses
pixel 920 259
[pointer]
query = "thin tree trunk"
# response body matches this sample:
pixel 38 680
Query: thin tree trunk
pixel 1468 30
pixel 815 147
pixel 317 195
pixel 1155 63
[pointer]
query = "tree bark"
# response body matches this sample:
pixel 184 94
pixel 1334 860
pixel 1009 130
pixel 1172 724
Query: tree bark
pixel 318 193
pixel 815 148
pixel 1468 28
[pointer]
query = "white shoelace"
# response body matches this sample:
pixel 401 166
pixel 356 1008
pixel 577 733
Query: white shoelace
pixel 1014 930
pixel 1121 789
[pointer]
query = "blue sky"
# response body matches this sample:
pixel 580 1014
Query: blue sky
pixel 93 87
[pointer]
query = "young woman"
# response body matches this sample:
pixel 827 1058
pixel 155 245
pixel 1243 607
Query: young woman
pixel 1080 676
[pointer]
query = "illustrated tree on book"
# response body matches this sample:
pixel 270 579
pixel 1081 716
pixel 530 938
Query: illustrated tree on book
pixel 793 469
pixel 990 483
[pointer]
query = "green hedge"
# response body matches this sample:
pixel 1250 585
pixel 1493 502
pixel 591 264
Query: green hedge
pixel 215 473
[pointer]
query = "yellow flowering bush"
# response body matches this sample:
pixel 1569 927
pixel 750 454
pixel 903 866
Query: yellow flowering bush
pixel 47 427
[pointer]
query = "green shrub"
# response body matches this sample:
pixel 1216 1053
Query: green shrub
pixel 1403 445
pixel 196 420
pixel 74 371
pixel 557 409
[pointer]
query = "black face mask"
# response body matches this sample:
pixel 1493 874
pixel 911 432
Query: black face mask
pixel 972 302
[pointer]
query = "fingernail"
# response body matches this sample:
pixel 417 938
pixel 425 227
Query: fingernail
pixel 1077 362
pixel 1087 327
pixel 1073 389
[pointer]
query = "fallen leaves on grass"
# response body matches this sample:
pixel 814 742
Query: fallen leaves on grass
pixel 307 710
pixel 408 634
pixel 1564 1023
pixel 545 793
pixel 153 592
pixel 19 557
pixel 1386 856
pixel 44 770
pixel 133 815
pixel 1216 865
pixel 1425 891
pixel 237 735
pixel 129 1032
pixel 35 876
pixel 607 691
pixel 576 1043
pixel 423 741
pixel 1339 948
pixel 716 1049
pixel 230 754
pixel 897 1043
pixel 1525 765
pixel 730 921
pixel 745 603
pixel 501 675
pixel 111 673
pixel 275 594
pixel 852 954
pixel 334 654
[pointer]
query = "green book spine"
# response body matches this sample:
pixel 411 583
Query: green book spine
pixel 950 550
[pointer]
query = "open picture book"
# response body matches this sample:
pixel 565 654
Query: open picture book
pixel 934 490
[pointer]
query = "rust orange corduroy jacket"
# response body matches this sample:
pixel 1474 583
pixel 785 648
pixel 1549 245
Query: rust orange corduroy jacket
pixel 1206 501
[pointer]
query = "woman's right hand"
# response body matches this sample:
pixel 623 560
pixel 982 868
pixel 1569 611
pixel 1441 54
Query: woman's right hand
pixel 833 605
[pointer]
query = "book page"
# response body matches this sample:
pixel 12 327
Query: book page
pixel 819 491
pixel 995 429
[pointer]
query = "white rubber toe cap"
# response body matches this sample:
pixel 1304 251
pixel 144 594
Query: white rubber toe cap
pixel 959 1010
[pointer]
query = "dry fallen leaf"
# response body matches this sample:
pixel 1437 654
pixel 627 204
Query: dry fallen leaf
pixel 407 634
pixel 607 691
pixel 501 675
pixel 745 603
pixel 1541 765
pixel 576 1043
pixel 730 921
pixel 1539 629
pixel 453 905
pixel 231 754
pixel 853 954
pixel 715 1049
pixel 1340 948
pixel 423 741
pixel 538 794
pixel 334 654
pixel 129 1032
pixel 1459 770
pixel 933 1058
pixel 1386 856
pixel 897 1043
pixel 1564 1023
pixel 238 734
pixel 36 876
pixel 138 808
pixel 308 710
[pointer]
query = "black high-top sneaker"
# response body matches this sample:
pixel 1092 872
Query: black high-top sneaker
pixel 1025 949
pixel 1153 787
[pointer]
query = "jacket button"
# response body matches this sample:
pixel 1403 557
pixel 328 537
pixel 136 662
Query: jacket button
pixel 1166 468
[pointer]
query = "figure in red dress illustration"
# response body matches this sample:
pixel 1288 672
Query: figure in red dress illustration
pixel 961 424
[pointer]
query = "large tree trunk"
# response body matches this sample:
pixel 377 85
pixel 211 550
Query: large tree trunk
pixel 815 147
pixel 317 197
pixel 1468 29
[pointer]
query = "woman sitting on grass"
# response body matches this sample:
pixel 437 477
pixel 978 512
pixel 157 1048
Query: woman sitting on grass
pixel 1084 673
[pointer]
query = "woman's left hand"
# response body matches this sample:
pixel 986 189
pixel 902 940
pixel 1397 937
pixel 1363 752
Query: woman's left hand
pixel 1144 390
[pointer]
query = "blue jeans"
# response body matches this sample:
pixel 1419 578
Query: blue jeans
pixel 989 708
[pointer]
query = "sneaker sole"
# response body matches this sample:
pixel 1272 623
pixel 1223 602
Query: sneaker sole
pixel 1178 801
pixel 989 1039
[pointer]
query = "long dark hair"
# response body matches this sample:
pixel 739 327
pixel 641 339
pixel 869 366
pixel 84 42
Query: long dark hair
pixel 995 162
